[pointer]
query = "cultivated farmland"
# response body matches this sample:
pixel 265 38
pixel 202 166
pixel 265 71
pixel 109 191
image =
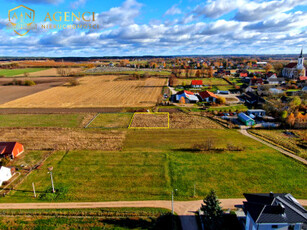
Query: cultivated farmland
pixel 192 121
pixel 63 138
pixel 150 120
pixel 98 91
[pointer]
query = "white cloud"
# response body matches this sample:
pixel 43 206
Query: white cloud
pixel 123 15
pixel 253 11
pixel 217 8
pixel 78 3
pixel 173 10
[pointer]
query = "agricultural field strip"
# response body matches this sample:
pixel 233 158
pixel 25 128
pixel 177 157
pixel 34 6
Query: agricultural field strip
pixel 98 91
pixel 93 122
pixel 153 113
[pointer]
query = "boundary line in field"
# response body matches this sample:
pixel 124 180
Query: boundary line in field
pixel 168 121
pixel 91 120
pixel 101 127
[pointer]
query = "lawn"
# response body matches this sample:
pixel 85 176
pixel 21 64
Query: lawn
pixel 13 72
pixel 111 120
pixel 41 120
pixel 206 81
pixel 231 108
pixel 106 218
pixel 153 162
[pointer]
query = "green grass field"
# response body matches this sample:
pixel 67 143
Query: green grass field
pixel 111 120
pixel 41 120
pixel 14 72
pixel 106 218
pixel 153 162
pixel 206 81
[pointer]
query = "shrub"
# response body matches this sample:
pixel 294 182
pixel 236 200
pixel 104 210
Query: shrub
pixel 74 82
pixel 29 83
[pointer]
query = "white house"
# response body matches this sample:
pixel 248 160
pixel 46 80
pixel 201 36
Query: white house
pixel 274 211
pixel 5 174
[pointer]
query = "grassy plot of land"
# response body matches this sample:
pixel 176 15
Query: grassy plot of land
pixel 13 72
pixel 98 176
pixel 206 81
pixel 107 218
pixel 41 120
pixel 153 162
pixel 294 140
pixel 111 120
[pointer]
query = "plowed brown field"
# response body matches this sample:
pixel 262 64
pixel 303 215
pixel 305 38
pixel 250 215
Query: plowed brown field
pixel 95 91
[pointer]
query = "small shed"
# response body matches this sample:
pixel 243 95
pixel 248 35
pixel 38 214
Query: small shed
pixel 247 120
pixel 11 149
pixel 5 174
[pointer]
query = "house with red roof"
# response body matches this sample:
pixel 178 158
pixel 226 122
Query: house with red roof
pixel 11 149
pixel 197 83
pixel 243 75
pixel 207 96
pixel 186 97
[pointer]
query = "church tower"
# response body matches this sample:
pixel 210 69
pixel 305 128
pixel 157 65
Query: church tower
pixel 300 65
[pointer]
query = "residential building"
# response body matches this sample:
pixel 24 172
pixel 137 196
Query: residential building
pixel 207 96
pixel 188 97
pixel 274 211
pixel 11 149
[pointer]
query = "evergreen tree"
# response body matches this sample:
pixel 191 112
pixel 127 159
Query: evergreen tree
pixel 212 211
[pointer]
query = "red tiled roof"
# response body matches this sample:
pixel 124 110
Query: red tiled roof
pixel 10 148
pixel 186 92
pixel 291 65
pixel 243 74
pixel 197 82
pixel 303 78
pixel 206 94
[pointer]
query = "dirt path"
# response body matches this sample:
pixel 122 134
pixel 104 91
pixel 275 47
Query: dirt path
pixel 289 154
pixel 185 209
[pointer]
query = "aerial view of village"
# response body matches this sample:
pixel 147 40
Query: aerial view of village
pixel 132 114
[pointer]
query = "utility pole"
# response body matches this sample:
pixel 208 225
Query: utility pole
pixel 50 171
pixel 172 202
pixel 34 189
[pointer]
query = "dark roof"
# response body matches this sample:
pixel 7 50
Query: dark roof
pixel 291 65
pixel 206 94
pixel 7 147
pixel 274 208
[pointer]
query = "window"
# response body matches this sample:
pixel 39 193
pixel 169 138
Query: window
pixel 274 226
pixel 291 227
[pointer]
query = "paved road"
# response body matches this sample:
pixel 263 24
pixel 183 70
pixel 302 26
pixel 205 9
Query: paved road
pixel 289 154
pixel 185 209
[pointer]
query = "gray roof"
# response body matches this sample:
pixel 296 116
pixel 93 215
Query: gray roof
pixel 275 208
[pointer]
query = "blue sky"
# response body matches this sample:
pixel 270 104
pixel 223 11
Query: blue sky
pixel 160 27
